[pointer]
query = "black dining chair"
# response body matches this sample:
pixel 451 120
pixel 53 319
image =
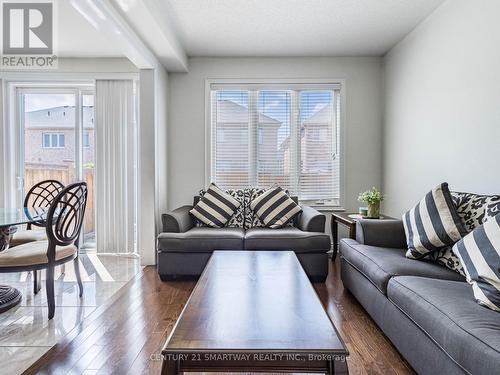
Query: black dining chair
pixel 40 195
pixel 63 227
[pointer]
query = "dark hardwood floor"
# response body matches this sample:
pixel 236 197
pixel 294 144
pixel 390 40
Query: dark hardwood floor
pixel 125 335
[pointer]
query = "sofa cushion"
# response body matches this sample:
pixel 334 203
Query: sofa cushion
pixel 445 310
pixel 432 224
pixel 251 219
pixel 216 207
pixel 446 258
pixel 479 253
pixel 379 264
pixel 202 239
pixel 286 239
pixel 475 209
pixel 275 208
pixel 238 218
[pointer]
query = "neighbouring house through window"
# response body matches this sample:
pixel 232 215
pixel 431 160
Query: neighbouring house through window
pixel 283 134
pixel 53 140
pixel 86 139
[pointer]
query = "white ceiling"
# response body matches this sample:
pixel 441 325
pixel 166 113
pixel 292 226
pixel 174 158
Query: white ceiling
pixel 77 37
pixel 173 29
pixel 294 27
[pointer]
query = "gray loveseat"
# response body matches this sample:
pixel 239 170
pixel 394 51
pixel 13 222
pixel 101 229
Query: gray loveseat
pixel 184 247
pixel 426 310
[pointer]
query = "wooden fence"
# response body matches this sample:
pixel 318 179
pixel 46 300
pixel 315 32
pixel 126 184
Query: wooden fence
pixel 35 173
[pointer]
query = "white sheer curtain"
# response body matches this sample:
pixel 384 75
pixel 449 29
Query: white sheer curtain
pixel 114 166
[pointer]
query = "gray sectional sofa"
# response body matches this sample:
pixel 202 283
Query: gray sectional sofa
pixel 183 247
pixel 427 311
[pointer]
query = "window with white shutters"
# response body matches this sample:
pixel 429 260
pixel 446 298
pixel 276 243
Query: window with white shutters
pixel 284 134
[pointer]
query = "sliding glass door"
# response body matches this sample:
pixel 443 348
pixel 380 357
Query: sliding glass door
pixel 57 141
pixel 88 144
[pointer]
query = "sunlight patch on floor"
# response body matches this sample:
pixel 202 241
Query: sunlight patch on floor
pixel 99 267
pixel 26 329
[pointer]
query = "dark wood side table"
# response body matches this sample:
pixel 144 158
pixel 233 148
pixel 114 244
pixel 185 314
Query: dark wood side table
pixel 349 220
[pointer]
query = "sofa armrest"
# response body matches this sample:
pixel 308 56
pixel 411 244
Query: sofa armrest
pixel 311 220
pixel 178 220
pixel 383 233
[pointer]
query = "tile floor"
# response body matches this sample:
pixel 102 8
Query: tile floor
pixel 25 332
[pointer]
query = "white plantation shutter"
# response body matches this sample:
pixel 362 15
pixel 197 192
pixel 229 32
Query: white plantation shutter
pixel 231 149
pixel 274 132
pixel 283 134
pixel 319 159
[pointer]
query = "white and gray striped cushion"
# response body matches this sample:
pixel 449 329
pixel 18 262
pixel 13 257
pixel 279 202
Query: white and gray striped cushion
pixel 473 211
pixel 479 253
pixel 432 224
pixel 275 208
pixel 215 208
pixel 238 218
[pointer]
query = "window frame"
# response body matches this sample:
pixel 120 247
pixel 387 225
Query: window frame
pixel 51 136
pixel 339 84
pixel 86 135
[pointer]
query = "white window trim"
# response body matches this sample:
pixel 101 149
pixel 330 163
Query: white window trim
pixel 209 82
pixel 13 107
pixel 50 134
pixel 86 133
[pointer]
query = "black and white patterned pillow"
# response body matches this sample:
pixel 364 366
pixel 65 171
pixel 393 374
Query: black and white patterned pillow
pixel 275 208
pixel 446 258
pixel 252 220
pixel 479 252
pixel 238 219
pixel 474 209
pixel 432 224
pixel 215 208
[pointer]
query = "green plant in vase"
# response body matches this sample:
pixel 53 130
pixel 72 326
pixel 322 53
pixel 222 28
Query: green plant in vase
pixel 372 198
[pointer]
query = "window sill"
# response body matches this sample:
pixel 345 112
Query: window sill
pixel 324 208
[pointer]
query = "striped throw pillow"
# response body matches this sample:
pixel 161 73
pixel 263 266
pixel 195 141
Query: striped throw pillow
pixel 275 208
pixel 474 210
pixel 432 224
pixel 215 208
pixel 479 253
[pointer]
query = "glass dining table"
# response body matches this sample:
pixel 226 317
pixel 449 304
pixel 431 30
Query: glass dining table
pixel 10 218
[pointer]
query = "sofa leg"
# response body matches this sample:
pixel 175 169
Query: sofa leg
pixel 166 277
pixel 317 279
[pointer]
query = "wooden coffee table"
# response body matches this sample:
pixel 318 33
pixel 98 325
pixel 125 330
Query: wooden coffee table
pixel 254 311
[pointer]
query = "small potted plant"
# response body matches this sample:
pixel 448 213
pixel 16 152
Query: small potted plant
pixel 372 198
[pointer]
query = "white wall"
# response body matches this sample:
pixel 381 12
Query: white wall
pixel 161 138
pixel 152 173
pixel 442 112
pixel 80 66
pixel 101 65
pixel 2 148
pixel 146 217
pixel 363 126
